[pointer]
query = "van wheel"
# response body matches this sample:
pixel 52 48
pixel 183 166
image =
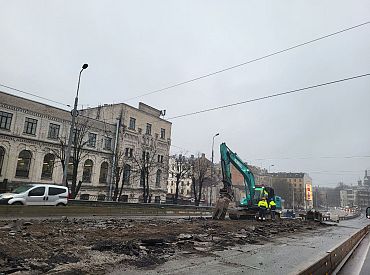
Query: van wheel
pixel 17 203
pixel 61 204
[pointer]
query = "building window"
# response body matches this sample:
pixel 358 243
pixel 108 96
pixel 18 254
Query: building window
pixel 142 177
pixel 108 143
pixel 103 172
pixel 148 129
pixel 87 171
pixel 53 131
pixel 132 124
pixel 23 164
pixel 48 167
pixel 163 133
pixel 5 120
pixel 129 152
pixel 70 168
pixel 123 198
pixel 2 156
pixel 92 140
pixel 30 126
pixel 160 158
pixel 126 174
pixel 158 178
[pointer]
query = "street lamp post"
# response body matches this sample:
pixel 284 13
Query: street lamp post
pixel 213 144
pixel 74 114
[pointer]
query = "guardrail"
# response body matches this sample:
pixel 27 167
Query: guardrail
pixel 336 256
pixel 90 209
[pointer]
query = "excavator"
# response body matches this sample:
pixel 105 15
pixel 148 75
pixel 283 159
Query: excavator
pixel 247 208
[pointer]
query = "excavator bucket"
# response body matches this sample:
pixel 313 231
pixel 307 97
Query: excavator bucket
pixel 221 207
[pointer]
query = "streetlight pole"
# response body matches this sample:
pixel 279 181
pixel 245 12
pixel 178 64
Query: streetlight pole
pixel 74 114
pixel 213 144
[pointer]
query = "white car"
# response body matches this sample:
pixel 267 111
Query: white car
pixel 36 194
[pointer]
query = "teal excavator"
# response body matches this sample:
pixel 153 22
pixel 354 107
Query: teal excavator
pixel 247 208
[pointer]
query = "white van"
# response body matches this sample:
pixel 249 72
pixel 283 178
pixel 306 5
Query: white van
pixel 36 194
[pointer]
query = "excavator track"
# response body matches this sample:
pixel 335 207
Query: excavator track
pixel 242 214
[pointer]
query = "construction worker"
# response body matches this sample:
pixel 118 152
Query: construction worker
pixel 272 206
pixel 263 205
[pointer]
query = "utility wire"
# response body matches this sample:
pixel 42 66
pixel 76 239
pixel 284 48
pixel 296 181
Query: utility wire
pixel 269 96
pixel 28 93
pixel 312 157
pixel 249 61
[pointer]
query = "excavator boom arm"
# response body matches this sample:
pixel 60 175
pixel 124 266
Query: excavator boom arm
pixel 229 157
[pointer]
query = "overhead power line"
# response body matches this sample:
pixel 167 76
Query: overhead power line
pixel 31 94
pixel 269 96
pixel 313 157
pixel 249 61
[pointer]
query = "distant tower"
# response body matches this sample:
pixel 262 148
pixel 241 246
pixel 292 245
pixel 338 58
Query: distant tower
pixel 359 182
pixel 366 179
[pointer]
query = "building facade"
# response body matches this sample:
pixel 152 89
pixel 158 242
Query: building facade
pixel 144 139
pixel 298 193
pixel 32 136
pixel 185 185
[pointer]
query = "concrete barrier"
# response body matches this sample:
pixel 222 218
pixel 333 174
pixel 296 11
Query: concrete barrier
pixel 87 210
pixel 336 256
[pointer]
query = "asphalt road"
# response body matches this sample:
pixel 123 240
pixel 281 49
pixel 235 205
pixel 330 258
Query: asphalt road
pixel 286 255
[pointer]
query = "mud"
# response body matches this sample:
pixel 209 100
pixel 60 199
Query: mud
pixel 82 246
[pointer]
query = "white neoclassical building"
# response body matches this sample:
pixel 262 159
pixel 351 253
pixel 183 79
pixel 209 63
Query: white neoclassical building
pixel 30 146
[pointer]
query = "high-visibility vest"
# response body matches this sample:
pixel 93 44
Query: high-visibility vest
pixel 272 204
pixel 263 203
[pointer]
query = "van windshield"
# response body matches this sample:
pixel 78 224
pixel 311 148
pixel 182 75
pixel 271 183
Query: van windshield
pixel 22 189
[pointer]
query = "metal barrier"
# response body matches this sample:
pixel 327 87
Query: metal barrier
pixel 334 258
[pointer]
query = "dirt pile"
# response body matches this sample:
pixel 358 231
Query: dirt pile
pixel 96 245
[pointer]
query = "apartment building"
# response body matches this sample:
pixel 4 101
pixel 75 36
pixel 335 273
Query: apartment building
pixel 144 138
pixel 31 138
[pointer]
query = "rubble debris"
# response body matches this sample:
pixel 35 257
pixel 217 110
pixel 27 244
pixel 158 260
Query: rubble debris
pixel 95 245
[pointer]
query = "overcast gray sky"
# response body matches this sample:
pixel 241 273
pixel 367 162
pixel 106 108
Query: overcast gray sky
pixel 134 47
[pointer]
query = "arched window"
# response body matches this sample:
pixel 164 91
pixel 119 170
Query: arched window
pixel 87 172
pixel 48 166
pixel 158 178
pixel 126 174
pixel 23 164
pixel 2 156
pixel 103 172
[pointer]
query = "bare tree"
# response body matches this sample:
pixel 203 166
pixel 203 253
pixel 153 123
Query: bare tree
pixel 200 173
pixel 119 165
pixel 80 141
pixel 145 160
pixel 182 169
